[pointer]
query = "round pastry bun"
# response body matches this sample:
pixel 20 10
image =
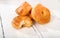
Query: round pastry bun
pixel 40 14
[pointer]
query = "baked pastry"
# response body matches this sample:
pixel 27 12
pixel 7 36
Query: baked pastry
pixel 27 21
pixel 24 9
pixel 21 21
pixel 40 14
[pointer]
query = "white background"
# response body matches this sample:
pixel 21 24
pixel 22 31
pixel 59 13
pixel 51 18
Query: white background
pixel 7 11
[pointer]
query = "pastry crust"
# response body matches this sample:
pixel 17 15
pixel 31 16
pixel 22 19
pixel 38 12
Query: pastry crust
pixel 24 9
pixel 21 21
pixel 16 21
pixel 40 14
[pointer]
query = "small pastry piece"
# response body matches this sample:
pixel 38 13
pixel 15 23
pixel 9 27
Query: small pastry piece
pixel 24 9
pixel 27 21
pixel 40 14
pixel 16 21
pixel 21 21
